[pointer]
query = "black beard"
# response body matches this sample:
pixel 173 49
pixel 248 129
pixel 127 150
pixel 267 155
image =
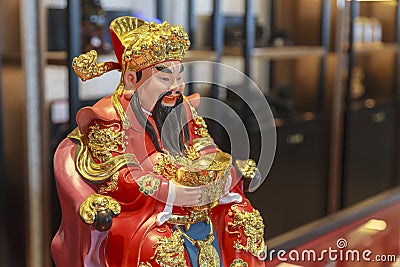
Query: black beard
pixel 160 111
pixel 176 130
pixel 170 131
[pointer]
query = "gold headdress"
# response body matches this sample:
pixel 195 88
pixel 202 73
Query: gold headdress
pixel 139 44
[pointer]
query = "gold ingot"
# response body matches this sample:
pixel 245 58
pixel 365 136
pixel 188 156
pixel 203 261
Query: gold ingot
pixel 204 170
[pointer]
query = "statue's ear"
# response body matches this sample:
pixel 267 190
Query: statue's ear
pixel 130 80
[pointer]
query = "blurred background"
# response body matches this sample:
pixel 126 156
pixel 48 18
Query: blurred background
pixel 328 68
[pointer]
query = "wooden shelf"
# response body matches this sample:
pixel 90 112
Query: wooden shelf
pixel 373 48
pixel 386 2
pixel 56 57
pixel 200 55
pixel 287 52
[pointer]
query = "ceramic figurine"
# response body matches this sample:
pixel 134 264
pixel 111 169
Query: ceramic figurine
pixel 140 180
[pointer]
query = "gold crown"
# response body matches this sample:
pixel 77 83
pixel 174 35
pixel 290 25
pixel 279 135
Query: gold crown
pixel 146 44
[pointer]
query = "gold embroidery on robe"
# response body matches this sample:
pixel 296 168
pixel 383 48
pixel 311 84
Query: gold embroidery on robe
pixel 169 251
pixel 251 223
pixel 104 139
pixel 97 172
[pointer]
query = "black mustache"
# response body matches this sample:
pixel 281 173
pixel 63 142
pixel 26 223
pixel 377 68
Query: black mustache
pixel 168 93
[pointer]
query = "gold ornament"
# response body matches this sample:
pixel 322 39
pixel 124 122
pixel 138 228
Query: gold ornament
pixel 149 43
pixel 204 170
pixel 210 171
pixel 145 264
pixel 86 66
pixel 212 192
pixel 202 143
pixel 165 166
pixel 200 126
pixel 118 106
pixel 97 172
pixel 144 43
pixel 103 139
pixel 191 153
pixel 239 263
pixel 148 184
pixel 193 217
pixel 96 203
pixel 207 255
pixel 253 228
pixel 248 168
pixel 111 185
pixel 169 251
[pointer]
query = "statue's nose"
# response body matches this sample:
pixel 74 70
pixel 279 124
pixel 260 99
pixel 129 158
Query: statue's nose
pixel 176 87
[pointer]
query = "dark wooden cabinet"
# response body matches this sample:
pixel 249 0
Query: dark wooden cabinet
pixel 295 191
pixel 370 166
pixel 370 123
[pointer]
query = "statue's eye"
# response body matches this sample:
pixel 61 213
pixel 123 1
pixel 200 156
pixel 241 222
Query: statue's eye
pixel 164 79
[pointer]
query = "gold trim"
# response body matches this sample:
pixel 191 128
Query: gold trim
pixel 111 185
pixel 195 216
pixel 98 172
pixel 251 223
pixel 203 142
pixel 145 264
pixel 191 153
pixel 200 126
pixel 96 203
pixel 248 168
pixel 118 106
pixel 169 251
pixel 239 263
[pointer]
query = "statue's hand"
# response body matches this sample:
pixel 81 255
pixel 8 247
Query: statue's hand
pixel 187 196
pixel 227 185
pixel 99 210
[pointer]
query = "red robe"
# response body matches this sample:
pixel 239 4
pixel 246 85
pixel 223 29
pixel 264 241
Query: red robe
pixel 132 239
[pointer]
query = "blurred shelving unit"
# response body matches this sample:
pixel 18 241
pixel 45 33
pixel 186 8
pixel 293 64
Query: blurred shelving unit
pixel 371 104
pixel 199 55
pixel 296 67
pixel 278 53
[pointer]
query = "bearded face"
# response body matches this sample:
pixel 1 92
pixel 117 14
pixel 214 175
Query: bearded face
pixel 168 112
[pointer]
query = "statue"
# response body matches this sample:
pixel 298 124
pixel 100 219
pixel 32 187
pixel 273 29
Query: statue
pixel 140 180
